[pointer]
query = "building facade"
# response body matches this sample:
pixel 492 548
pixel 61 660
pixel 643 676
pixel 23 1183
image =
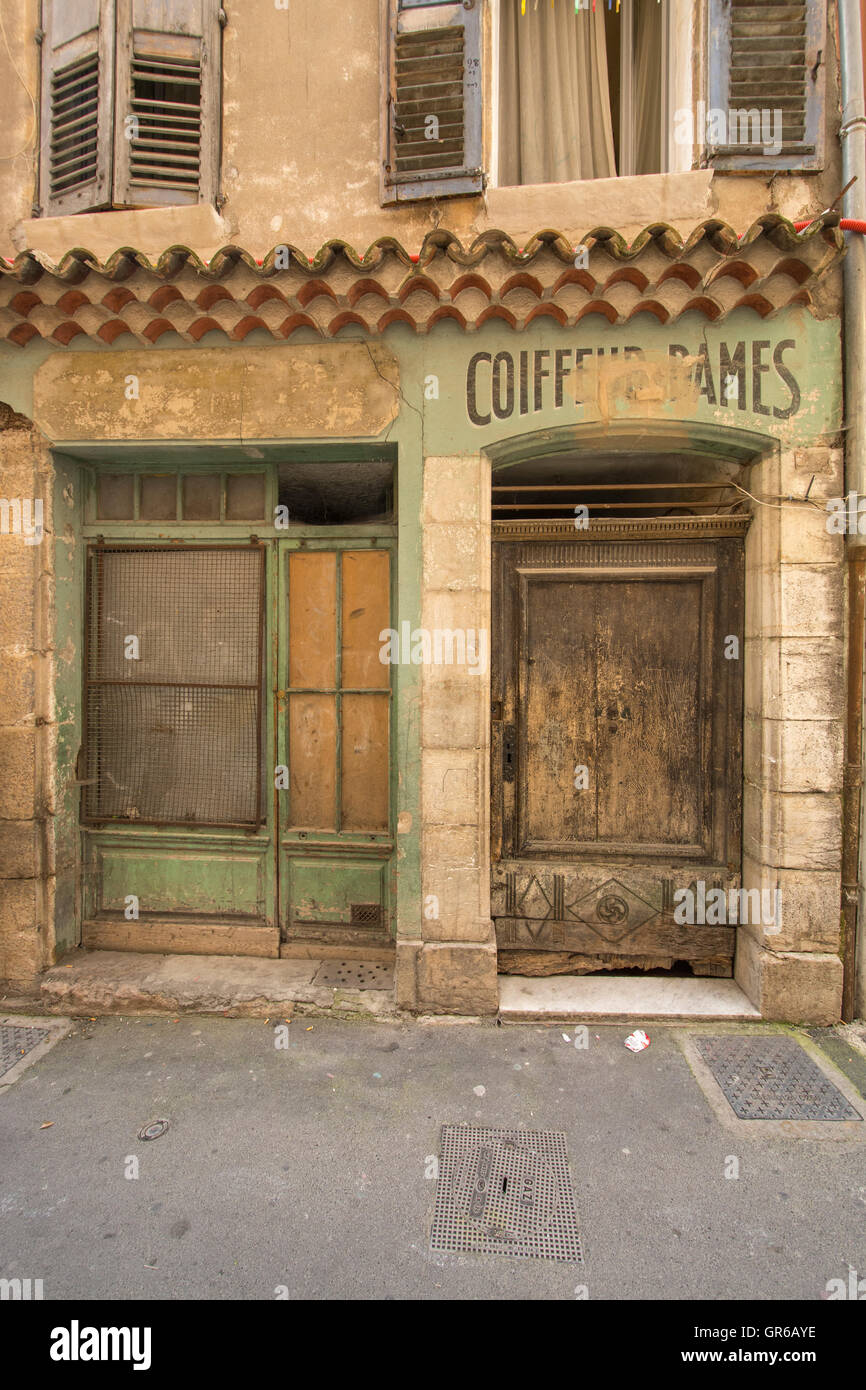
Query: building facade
pixel 419 426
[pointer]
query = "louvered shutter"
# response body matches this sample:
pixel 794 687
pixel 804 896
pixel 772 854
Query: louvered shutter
pixel 432 105
pixel 766 59
pixel 77 97
pixel 166 144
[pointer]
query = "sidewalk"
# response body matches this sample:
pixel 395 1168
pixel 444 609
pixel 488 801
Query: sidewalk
pixel 310 1167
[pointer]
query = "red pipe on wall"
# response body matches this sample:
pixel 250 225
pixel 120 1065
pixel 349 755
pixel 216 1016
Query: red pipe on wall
pixel 848 224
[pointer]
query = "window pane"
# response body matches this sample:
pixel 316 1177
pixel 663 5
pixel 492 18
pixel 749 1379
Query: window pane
pixel 313 621
pixel 114 496
pixel 245 496
pixel 158 498
pixel 364 772
pixel 313 761
pixel 201 497
pixel 172 719
pixel 365 614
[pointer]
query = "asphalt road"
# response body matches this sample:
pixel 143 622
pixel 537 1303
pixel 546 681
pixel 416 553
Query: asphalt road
pixel 304 1168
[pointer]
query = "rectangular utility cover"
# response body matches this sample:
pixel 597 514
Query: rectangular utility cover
pixel 772 1078
pixel 505 1192
pixel 15 1043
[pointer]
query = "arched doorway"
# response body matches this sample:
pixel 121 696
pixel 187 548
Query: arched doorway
pixel 616 706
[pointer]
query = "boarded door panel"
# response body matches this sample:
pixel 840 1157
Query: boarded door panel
pixel 312 621
pixel 334 722
pixel 364 782
pixel 366 606
pixel 313 760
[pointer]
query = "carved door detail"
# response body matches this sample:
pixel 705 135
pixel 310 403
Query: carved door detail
pixel 616 750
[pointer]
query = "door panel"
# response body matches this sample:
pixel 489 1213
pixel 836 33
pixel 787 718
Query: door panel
pixel 559 659
pixel 608 657
pixel 648 712
pixel 333 722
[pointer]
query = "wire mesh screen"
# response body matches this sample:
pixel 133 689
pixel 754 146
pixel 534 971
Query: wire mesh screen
pixel 173 684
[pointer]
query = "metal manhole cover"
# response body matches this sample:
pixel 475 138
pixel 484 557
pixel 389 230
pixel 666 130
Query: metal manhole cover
pixel 773 1078
pixel 155 1130
pixel 505 1192
pixel 15 1043
pixel 355 974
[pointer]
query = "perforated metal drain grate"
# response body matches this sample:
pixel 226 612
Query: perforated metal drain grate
pixel 505 1192
pixel 355 974
pixel 772 1078
pixel 15 1043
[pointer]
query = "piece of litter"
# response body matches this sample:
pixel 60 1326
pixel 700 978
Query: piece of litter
pixel 310 1029
pixel 378 1075
pixel 47 1125
pixel 637 1041
pixel 330 1074
pixel 479 1090
pixel 566 1038
pixel 626 1151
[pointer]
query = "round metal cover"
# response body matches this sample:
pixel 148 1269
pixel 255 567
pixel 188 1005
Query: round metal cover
pixel 154 1130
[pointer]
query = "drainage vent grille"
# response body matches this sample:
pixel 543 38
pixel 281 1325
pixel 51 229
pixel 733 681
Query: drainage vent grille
pixel 505 1192
pixel 355 974
pixel 772 1078
pixel 365 914
pixel 15 1043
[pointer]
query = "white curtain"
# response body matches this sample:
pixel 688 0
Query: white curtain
pixel 648 86
pixel 554 102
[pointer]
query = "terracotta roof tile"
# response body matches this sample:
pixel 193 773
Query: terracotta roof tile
pixel 712 272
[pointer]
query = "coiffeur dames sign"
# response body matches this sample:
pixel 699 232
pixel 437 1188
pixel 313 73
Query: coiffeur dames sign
pixel 753 375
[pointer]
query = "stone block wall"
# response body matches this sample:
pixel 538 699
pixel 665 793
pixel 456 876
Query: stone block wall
pixel 794 738
pixel 452 969
pixel 26 716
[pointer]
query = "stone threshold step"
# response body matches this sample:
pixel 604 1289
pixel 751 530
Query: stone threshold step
pixel 628 997
pixel 129 982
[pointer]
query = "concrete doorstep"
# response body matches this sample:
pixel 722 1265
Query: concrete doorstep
pixel 636 997
pixel 93 983
pixel 128 982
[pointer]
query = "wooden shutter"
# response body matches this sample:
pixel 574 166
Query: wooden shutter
pixel 767 58
pixel 431 135
pixel 77 98
pixel 166 144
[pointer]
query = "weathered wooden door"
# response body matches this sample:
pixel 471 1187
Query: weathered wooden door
pixel 616 749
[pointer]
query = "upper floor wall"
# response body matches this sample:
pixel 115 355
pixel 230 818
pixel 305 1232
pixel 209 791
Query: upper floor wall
pixel 315 119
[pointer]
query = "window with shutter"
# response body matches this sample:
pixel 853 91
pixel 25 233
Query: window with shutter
pixel 432 106
pixel 77 101
pixel 766 87
pixel 167 101
pixel 130 103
